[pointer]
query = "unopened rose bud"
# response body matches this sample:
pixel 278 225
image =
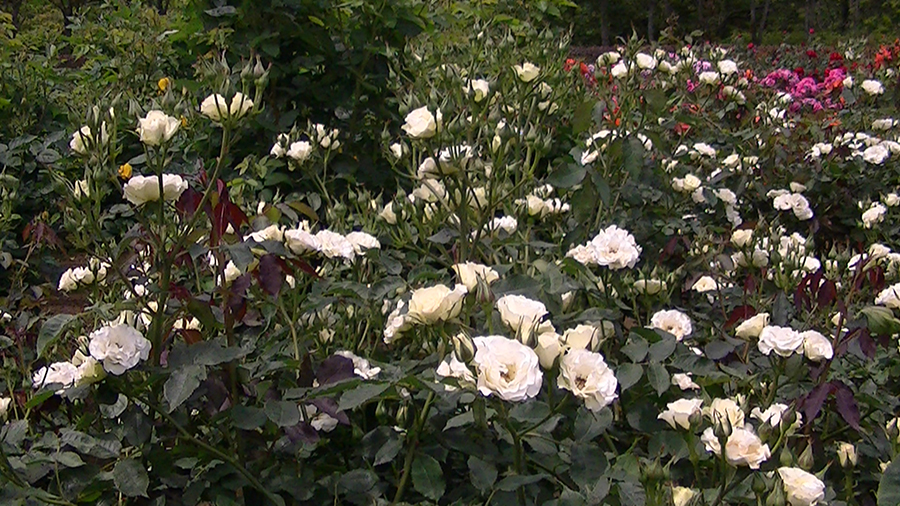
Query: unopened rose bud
pixel 806 460
pixel 786 459
pixel 776 497
pixel 463 347
pixel 759 485
pixel 722 426
pixel 847 455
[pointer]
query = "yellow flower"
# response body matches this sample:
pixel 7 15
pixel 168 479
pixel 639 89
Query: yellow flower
pixel 164 84
pixel 125 171
pixel 183 122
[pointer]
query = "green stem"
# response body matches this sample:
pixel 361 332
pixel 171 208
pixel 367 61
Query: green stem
pixel 413 446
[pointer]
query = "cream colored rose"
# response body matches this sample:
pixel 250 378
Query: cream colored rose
pixel 587 337
pixel 157 127
pixel 645 61
pixel 89 371
pixel 548 348
pixel 83 139
pixel 214 107
pixel 527 71
pixel 420 124
pixel 436 303
pixel 523 315
pixel 506 368
pixel 469 273
pixel 847 454
pixel 586 375
pixel 480 88
pixel 741 237
pixel 118 348
pixel 299 151
pixel 684 381
pixel 672 321
pixel 678 413
pixel 649 286
pixel 816 347
pixel 388 214
pixel 784 341
pixel 681 496
pixel 743 447
pixel 722 409
pixel 753 326
pixel 240 106
pixel 141 189
pixel 705 284
pixel 5 402
pixel 774 414
pixel 800 487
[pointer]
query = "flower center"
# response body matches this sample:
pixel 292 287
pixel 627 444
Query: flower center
pixel 510 373
pixel 580 382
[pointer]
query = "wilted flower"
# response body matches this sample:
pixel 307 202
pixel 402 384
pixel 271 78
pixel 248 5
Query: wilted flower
pixel 847 454
pixel 361 366
pixel 452 367
pixel 586 375
pixel 506 368
pixel 4 407
pixel 118 348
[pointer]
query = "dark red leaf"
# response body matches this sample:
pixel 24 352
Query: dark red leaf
pixel 876 278
pixel 179 292
pixel 269 274
pixel 305 267
pixel 190 336
pixel 738 314
pixel 827 293
pixel 814 400
pixel 234 215
pixel 846 404
pixel 330 406
pixel 801 299
pixel 302 432
pixel 188 202
pixel 749 284
pixel 333 369
pixel 866 343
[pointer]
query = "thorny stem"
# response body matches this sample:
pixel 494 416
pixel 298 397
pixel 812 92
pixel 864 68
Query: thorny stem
pixel 413 445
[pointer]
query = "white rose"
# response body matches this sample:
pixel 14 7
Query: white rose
pixel 722 409
pixel 436 303
pixel 705 284
pixel 745 448
pixel 89 370
pixel 388 215
pixel 800 487
pixel 889 297
pixel 774 414
pixel 586 375
pixel 240 105
pixel 752 327
pixel 118 348
pixel 816 347
pixel 84 139
pixel 874 214
pixel 469 273
pixel 784 341
pixel 59 373
pixel 681 496
pixel 741 237
pixel 361 366
pixel 362 241
pixel 299 151
pixel 157 127
pixel 452 367
pixel 301 241
pixel 615 248
pixel 645 61
pixel 141 189
pixel 273 232
pixel 684 381
pixel 548 348
pixel 585 337
pixel 872 87
pixel 522 315
pixel 397 150
pixel 420 124
pixel 334 245
pixel 727 67
pixel 214 107
pixel 506 368
pixel 619 70
pixel 4 407
pixel 649 286
pixel 527 72
pixel 678 413
pixel 876 154
pixel 892 200
pixel 709 77
pixel 67 282
pixel 608 58
pixel 480 88
pixel 672 321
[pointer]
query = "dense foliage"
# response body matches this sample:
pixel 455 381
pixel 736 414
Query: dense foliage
pixel 666 275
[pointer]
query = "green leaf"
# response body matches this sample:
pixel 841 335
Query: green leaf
pixel 482 473
pixel 361 394
pixel 628 375
pixel 512 483
pixel 39 399
pixel 889 486
pixel 663 349
pixel 658 377
pixel 427 477
pixel 68 459
pixel 636 349
pixel 212 353
pixel 588 464
pixel 581 119
pixel 283 413
pixel 181 384
pixel 589 425
pixel 632 494
pixel 568 176
pixel 51 330
pixel 131 478
pixel 247 417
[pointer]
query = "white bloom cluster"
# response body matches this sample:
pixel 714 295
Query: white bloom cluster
pixel 330 244
pixel 613 247
pixel 75 277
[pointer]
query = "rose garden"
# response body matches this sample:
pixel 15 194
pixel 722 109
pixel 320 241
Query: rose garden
pixel 497 274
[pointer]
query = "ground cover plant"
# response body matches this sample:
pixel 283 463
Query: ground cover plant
pixel 665 275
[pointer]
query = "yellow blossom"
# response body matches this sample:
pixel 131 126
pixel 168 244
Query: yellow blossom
pixel 164 84
pixel 125 171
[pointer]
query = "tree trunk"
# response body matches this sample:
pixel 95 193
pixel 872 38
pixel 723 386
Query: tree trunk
pixel 761 27
pixel 651 11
